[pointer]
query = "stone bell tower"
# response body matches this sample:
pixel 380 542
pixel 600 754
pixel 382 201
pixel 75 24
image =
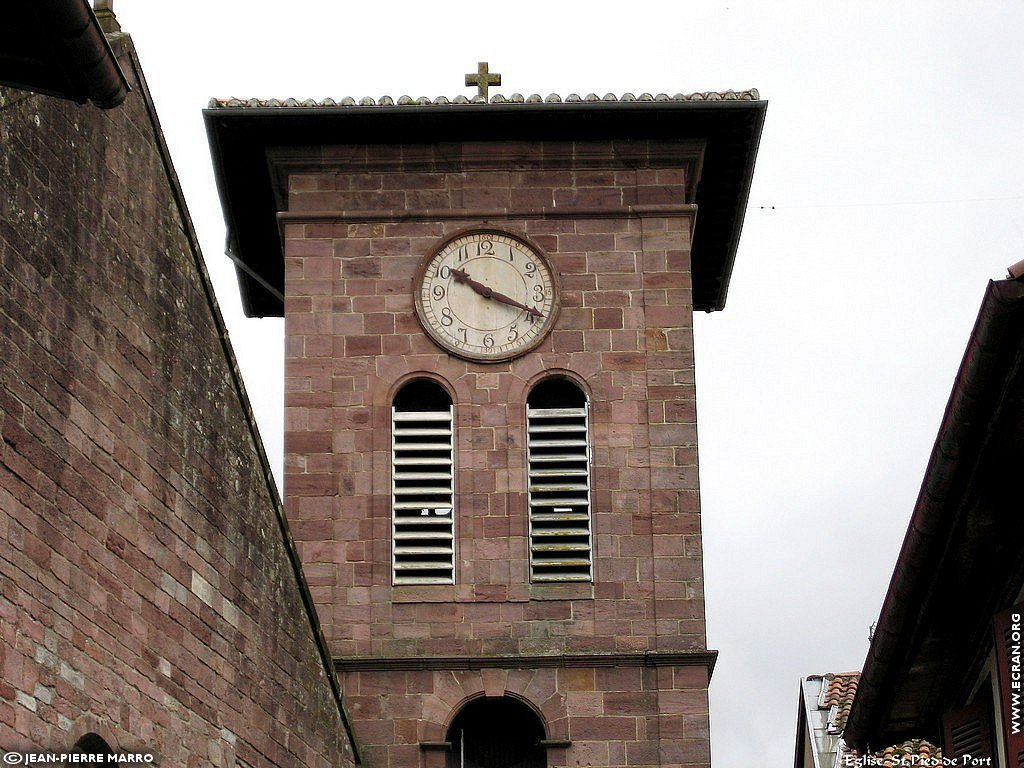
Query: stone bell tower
pixel 491 467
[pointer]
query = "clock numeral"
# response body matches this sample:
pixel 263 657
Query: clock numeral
pixel 530 269
pixel 462 332
pixel 530 318
pixel 511 254
pixel 513 332
pixel 446 317
pixel 488 340
pixel 483 248
pixel 444 272
pixel 438 292
pixel 538 293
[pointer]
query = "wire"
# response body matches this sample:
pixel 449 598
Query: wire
pixel 886 204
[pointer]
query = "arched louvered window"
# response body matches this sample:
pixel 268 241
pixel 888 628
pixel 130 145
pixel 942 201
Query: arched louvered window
pixel 558 448
pixel 422 485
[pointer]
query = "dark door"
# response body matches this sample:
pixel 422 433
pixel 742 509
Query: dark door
pixel 496 733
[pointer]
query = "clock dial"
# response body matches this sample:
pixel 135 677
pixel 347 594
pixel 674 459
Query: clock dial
pixel 486 296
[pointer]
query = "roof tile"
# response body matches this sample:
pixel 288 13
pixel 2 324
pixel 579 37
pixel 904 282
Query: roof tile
pixel 911 752
pixel 837 692
pixel 515 98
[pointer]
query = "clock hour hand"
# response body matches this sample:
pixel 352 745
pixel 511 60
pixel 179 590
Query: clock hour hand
pixel 461 276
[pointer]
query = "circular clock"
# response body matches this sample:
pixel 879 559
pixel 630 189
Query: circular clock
pixel 486 295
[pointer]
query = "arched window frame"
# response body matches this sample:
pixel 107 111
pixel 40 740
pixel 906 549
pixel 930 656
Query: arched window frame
pixel 559 455
pixel 423 505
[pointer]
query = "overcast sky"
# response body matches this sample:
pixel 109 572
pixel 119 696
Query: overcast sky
pixel 887 192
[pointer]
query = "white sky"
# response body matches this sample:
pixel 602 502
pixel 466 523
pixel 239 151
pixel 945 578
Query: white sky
pixel 890 167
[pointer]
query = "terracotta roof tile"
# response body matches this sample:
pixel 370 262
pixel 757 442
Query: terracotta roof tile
pixel 515 98
pixel 837 692
pixel 897 755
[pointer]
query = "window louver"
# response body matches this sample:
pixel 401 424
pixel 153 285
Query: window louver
pixel 967 731
pixel 559 475
pixel 422 497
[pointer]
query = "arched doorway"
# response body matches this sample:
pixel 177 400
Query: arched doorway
pixel 93 744
pixel 496 733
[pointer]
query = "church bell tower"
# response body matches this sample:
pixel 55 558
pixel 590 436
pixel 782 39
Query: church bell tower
pixel 491 446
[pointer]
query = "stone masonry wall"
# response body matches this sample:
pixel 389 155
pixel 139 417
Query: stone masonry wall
pixel 615 224
pixel 146 590
pixel 606 715
pixel 624 332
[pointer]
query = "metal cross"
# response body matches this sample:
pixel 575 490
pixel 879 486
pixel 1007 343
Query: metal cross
pixel 482 79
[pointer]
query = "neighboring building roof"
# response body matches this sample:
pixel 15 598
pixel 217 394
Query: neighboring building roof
pixel 915 748
pixel 825 705
pixel 963 555
pixel 241 130
pixel 825 702
pixel 837 698
pixel 57 47
pixel 898 755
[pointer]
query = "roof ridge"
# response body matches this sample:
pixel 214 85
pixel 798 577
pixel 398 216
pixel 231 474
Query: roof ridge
pixel 750 94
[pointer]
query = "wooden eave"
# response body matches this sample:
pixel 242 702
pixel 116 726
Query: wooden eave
pixel 240 139
pixel 56 47
pixel 963 556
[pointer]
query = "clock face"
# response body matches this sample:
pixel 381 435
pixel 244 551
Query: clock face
pixel 486 296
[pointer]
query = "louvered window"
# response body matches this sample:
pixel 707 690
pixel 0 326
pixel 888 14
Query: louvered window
pixel 558 447
pixel 968 731
pixel 422 485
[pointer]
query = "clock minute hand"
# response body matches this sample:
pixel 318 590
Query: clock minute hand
pixel 461 276
pixel 512 302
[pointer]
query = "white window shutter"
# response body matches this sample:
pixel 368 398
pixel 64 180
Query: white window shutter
pixel 558 447
pixel 422 497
